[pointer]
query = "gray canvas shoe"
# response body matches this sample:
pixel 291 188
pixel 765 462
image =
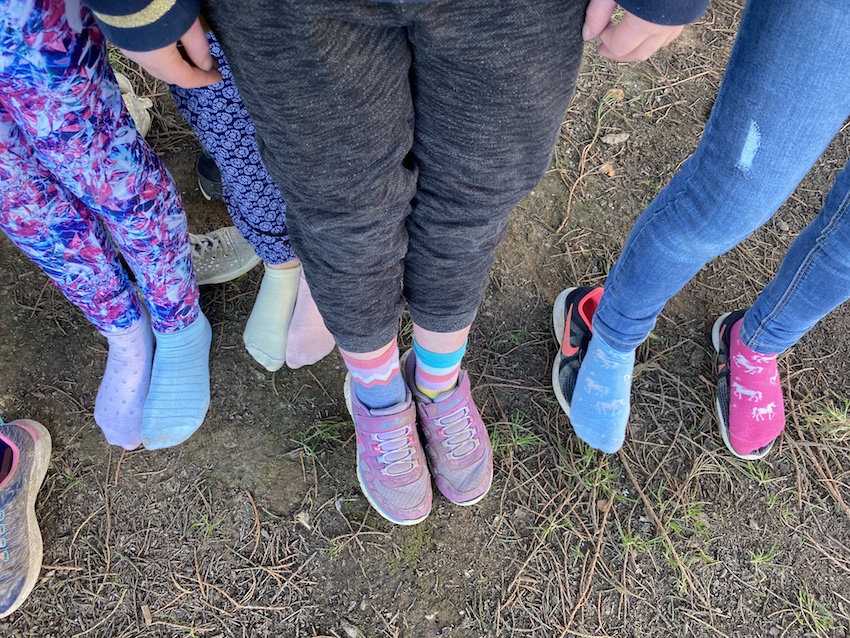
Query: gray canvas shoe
pixel 221 256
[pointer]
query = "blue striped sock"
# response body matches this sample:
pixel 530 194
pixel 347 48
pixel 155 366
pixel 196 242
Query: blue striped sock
pixel 436 372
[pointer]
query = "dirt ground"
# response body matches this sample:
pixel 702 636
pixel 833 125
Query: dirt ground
pixel 256 526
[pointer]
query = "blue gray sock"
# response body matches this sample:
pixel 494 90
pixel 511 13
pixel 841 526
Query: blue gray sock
pixel 599 409
pixel 179 394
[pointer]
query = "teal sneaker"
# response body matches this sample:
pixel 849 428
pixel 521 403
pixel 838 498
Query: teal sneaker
pixel 24 456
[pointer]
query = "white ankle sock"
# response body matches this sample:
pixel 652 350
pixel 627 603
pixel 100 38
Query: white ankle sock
pixel 268 325
pixel 120 401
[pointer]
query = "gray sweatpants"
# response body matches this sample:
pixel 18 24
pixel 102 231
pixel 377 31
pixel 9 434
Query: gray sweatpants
pixel 402 136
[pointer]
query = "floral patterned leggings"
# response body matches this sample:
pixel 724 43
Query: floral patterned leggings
pixel 73 167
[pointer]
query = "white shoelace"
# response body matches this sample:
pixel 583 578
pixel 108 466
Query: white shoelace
pixel 458 432
pixel 396 452
pixel 210 243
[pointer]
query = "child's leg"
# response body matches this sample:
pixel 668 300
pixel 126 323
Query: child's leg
pixel 456 442
pixel 221 122
pixel 775 114
pixel 391 465
pixel 218 117
pixel 67 241
pixel 84 136
pixel 813 279
pixel 308 339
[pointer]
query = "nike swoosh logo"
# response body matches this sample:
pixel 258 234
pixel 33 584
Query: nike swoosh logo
pixel 567 349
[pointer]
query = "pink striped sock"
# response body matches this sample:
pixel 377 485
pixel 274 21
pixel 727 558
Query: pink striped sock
pixel 756 406
pixel 377 382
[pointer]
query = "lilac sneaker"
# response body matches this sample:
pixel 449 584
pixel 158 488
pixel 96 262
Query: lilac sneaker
pixel 391 465
pixel 24 456
pixel 456 441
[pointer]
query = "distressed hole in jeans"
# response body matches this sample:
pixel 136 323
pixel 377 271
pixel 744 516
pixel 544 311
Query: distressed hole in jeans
pixel 751 147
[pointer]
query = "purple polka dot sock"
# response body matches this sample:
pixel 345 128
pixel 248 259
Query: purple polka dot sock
pixel 121 397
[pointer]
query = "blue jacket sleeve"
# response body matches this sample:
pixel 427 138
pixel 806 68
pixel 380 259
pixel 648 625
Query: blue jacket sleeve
pixel 670 12
pixel 144 25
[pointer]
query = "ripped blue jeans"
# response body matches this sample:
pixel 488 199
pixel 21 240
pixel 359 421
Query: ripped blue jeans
pixel 783 98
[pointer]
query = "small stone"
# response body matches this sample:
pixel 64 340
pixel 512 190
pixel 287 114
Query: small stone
pixel 615 138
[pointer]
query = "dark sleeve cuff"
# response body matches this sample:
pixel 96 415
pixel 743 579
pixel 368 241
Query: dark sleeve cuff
pixel 669 12
pixel 144 25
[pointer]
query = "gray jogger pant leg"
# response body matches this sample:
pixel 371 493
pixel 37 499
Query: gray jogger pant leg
pixel 402 136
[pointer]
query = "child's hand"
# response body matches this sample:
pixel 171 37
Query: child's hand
pixel 632 40
pixel 194 69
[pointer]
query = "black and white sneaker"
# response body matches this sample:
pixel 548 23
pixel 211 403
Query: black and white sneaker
pixel 572 318
pixel 209 177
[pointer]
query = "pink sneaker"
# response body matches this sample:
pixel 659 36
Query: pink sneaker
pixel 456 441
pixel 391 465
pixel 24 457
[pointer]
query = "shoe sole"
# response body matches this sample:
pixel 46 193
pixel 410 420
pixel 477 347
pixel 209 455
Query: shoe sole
pixel 559 321
pixel 38 471
pixel 230 276
pixel 346 391
pixel 721 420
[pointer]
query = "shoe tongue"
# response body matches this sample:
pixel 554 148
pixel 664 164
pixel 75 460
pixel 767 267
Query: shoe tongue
pixel 393 409
pixel 443 395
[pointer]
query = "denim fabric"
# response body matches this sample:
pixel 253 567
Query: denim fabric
pixel 401 136
pixel 782 100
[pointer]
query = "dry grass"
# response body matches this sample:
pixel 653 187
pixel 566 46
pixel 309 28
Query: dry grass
pixel 256 527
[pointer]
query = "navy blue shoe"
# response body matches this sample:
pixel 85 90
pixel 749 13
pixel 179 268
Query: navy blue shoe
pixel 572 318
pixel 209 177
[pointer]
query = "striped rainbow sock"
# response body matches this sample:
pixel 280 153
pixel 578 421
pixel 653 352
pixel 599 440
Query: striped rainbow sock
pixel 377 383
pixel 436 372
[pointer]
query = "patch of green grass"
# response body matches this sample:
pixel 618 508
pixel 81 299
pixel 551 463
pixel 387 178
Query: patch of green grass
pixel 321 435
pixel 589 468
pixel 757 471
pixel 772 500
pixel 765 557
pixel 829 418
pixel 335 546
pixel 635 543
pixel 73 482
pixel 116 59
pixel 606 104
pixel 414 541
pixel 515 435
pixel 206 526
pixel 689 520
pixel 507 340
pixel 812 614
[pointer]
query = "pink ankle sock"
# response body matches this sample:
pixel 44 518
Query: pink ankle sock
pixel 756 406
pixel 308 339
